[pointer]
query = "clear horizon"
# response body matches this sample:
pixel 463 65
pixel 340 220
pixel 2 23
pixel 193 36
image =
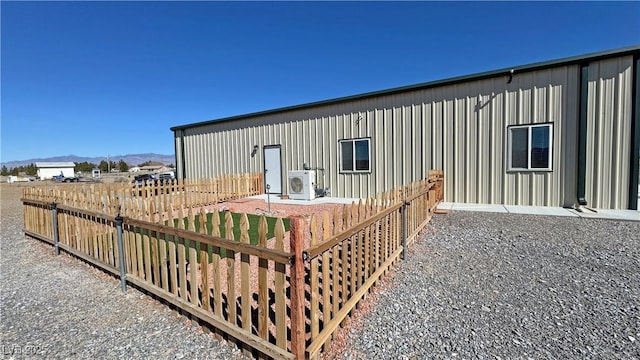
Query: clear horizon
pixel 98 78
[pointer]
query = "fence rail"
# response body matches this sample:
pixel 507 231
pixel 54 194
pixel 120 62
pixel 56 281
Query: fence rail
pixel 127 198
pixel 282 297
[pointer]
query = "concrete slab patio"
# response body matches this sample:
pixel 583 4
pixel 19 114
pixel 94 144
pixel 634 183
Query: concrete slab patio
pixel 629 215
pixel 275 199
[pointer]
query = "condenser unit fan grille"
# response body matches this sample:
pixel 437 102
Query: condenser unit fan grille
pixel 296 185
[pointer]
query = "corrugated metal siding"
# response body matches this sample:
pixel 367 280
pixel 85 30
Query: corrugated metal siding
pixel 459 128
pixel 178 149
pixel 608 132
pixel 566 136
pixel 476 116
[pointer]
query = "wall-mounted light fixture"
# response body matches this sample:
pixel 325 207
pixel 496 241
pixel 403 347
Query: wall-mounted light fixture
pixel 510 76
pixel 254 151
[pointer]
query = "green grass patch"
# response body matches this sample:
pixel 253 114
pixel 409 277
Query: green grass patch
pixel 254 221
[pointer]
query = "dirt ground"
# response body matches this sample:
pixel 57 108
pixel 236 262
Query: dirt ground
pixel 259 207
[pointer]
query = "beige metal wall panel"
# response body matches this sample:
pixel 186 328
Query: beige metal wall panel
pixel 476 116
pixel 608 133
pixel 536 107
pixel 424 137
pixel 376 124
pixel 448 149
pixel 567 134
pixel 437 137
pixel 178 147
pixel 420 142
pixel 459 128
pixel 396 124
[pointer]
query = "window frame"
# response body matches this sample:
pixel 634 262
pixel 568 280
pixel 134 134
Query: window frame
pixel 529 128
pixel 353 147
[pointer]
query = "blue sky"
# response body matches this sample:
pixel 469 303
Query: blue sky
pixel 105 78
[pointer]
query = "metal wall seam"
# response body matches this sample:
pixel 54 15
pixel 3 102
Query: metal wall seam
pixel 396 145
pixel 634 153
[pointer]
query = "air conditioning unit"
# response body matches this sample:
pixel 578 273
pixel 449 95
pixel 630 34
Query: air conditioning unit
pixel 301 184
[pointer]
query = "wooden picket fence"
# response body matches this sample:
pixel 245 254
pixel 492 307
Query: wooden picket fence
pixel 351 250
pixel 236 287
pixel 126 198
pixel 283 297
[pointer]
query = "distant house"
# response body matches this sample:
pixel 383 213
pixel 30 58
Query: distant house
pixel 134 169
pixel 47 170
pixel 151 168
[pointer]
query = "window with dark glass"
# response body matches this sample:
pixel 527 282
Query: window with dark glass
pixel 347 155
pixel 530 147
pixel 355 155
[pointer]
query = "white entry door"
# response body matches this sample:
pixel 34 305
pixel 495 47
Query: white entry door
pixel 272 169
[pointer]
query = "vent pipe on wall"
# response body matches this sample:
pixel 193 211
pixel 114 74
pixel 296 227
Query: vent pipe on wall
pixel 582 134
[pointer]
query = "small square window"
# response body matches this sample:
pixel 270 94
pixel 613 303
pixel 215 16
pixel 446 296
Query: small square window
pixel 530 147
pixel 355 155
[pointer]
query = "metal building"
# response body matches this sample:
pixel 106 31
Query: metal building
pixel 557 133
pixel 47 170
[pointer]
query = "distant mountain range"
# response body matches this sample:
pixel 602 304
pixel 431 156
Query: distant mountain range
pixel 131 159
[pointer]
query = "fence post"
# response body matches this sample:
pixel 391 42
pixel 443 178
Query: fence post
pixel 123 274
pixel 268 199
pixel 298 345
pixel 56 239
pixel 404 228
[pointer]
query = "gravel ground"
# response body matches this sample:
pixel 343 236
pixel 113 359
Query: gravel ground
pixel 59 307
pixel 478 285
pixel 504 286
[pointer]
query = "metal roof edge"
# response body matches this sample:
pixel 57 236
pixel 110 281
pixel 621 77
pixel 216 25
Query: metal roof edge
pixel 54 164
pixel 629 50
